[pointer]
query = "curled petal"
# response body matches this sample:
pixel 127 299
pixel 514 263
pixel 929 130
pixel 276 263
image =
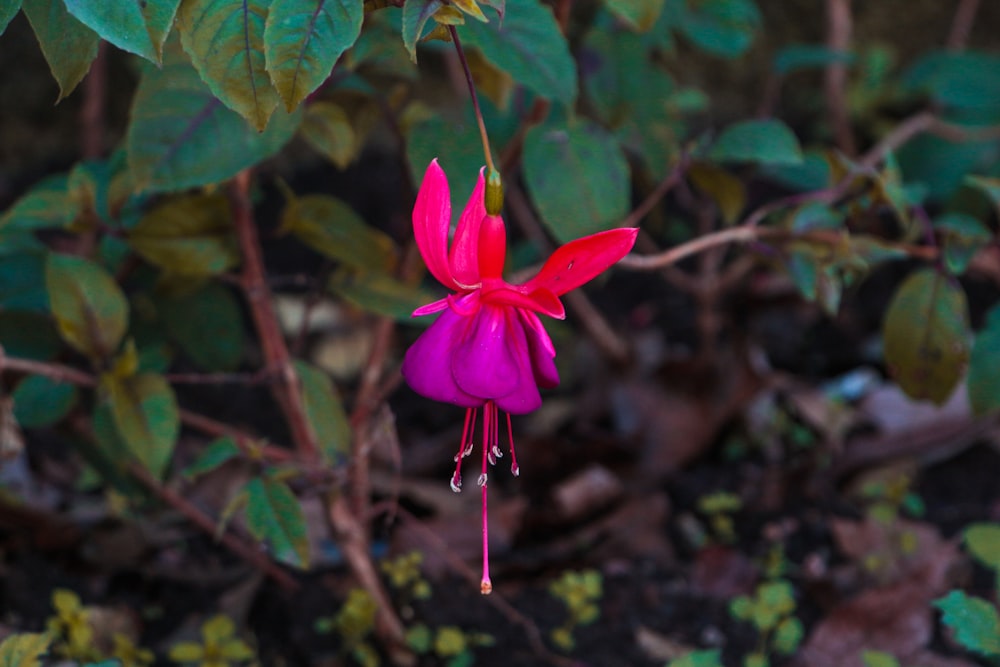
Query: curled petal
pixel 464 254
pixel 543 352
pixel 431 220
pixel 581 260
pixel 540 300
pixel 426 362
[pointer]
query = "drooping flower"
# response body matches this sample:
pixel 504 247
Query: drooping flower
pixel 488 348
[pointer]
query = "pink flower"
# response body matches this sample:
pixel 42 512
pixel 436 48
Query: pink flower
pixel 488 347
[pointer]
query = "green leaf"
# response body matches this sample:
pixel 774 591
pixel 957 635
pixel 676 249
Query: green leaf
pixel 303 40
pixel 274 515
pixel 40 401
pixel 137 27
pixel 68 46
pixel 325 412
pixel 217 453
pixel 46 205
pixel 331 227
pixel 190 235
pixel 813 173
pixel 963 236
pixel 22 282
pixel 578 178
pixel 26 334
pixel 705 658
pixel 145 416
pixel 90 310
pixel 177 128
pixel 788 635
pixel 24 649
pixel 379 293
pixel 925 336
pixel 983 542
pixel 969 80
pixel 974 621
pixel 8 8
pixel 640 15
pixel 457 147
pixel 207 324
pixel 808 56
pixel 878 659
pixel 416 13
pixel 721 27
pixel 529 46
pixel 225 40
pixel 942 165
pixel 327 128
pixel 766 142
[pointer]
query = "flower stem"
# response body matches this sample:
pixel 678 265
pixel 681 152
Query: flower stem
pixel 491 169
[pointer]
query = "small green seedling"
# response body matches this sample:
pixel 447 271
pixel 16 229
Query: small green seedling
pixel 71 628
pixel 219 647
pixel 974 622
pixel 771 610
pixel 878 659
pixel 719 508
pixel 354 622
pixel 887 502
pixel 449 643
pixel 405 576
pixel 982 540
pixel 24 649
pixel 128 654
pixel 580 591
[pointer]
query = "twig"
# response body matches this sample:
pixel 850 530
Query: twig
pixel 95 88
pixel 961 24
pixel 659 192
pixel 351 533
pixel 838 16
pixel 613 345
pixel 258 559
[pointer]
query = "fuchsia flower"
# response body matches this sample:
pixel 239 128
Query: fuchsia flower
pixel 488 347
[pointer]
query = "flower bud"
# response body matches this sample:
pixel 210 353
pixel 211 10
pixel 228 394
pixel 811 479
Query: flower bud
pixel 494 192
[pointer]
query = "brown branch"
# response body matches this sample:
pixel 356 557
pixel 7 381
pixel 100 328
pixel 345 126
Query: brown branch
pixel 838 16
pixel 961 24
pixel 349 529
pixel 92 111
pixel 258 559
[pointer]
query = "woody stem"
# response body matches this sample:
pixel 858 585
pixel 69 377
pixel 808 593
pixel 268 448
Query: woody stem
pixel 475 99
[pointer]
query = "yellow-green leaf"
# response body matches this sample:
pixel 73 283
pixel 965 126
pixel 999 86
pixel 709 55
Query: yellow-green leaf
pixel 723 188
pixel 137 27
pixel 190 235
pixel 145 414
pixel 225 40
pixel 925 335
pixel 332 228
pixel 68 46
pixel 325 411
pixel 24 650
pixel 327 128
pixel 8 8
pixel 274 515
pixel 640 15
pixel 90 310
pixel 304 39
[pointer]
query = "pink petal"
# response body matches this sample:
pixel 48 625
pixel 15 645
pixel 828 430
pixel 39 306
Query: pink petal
pixel 543 352
pixel 464 255
pixel 486 362
pixel 540 300
pixel 425 364
pixel 581 260
pixel 431 220
pixel 433 307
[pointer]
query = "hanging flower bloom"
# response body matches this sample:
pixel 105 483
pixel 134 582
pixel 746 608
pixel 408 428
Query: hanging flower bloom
pixel 488 348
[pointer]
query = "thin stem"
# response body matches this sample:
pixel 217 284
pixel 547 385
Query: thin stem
pixel 475 99
pixel 839 24
pixel 961 25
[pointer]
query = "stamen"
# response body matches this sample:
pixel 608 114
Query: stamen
pixel 514 469
pixel 464 447
pixel 489 414
pixel 456 483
